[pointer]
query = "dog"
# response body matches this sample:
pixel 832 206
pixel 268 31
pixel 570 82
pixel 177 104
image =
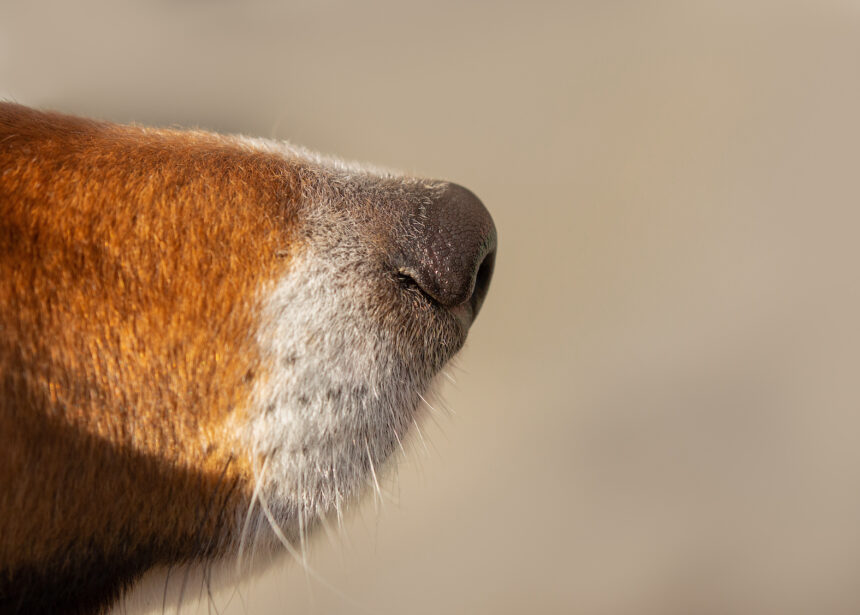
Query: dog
pixel 207 343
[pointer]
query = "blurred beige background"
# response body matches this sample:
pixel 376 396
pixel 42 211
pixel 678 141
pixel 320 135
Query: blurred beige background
pixel 657 411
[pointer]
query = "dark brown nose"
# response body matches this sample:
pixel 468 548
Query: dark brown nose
pixel 452 259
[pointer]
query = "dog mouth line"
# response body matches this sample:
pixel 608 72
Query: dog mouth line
pixel 462 314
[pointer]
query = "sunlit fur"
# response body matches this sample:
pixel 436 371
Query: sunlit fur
pixel 204 348
pixel 349 351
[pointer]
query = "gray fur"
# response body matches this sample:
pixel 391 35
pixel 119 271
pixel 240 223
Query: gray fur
pixel 349 350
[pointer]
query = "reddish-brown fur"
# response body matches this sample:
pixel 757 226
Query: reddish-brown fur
pixel 131 262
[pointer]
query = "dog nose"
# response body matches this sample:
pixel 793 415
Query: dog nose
pixel 452 259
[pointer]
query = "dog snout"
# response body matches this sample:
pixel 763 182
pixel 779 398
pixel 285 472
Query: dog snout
pixel 452 258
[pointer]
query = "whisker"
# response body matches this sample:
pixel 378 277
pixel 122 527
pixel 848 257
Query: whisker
pixel 338 499
pixel 393 425
pixel 199 532
pixel 210 604
pixel 242 600
pixel 399 442
pixel 427 403
pixel 232 595
pixel 264 506
pixel 164 595
pixel 187 567
pixel 258 482
pixel 373 472
pixel 302 545
pixel 328 530
pixel 420 435
pixel 454 365
pixel 440 399
pixel 279 534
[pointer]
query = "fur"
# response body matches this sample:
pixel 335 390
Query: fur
pixel 205 347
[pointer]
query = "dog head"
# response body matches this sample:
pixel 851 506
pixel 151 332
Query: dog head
pixel 207 343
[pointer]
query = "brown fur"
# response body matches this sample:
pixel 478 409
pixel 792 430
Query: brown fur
pixel 130 264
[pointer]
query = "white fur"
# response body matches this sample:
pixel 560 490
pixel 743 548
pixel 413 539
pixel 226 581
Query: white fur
pixel 347 353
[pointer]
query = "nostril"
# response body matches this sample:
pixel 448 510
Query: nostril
pixel 482 282
pixel 408 281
